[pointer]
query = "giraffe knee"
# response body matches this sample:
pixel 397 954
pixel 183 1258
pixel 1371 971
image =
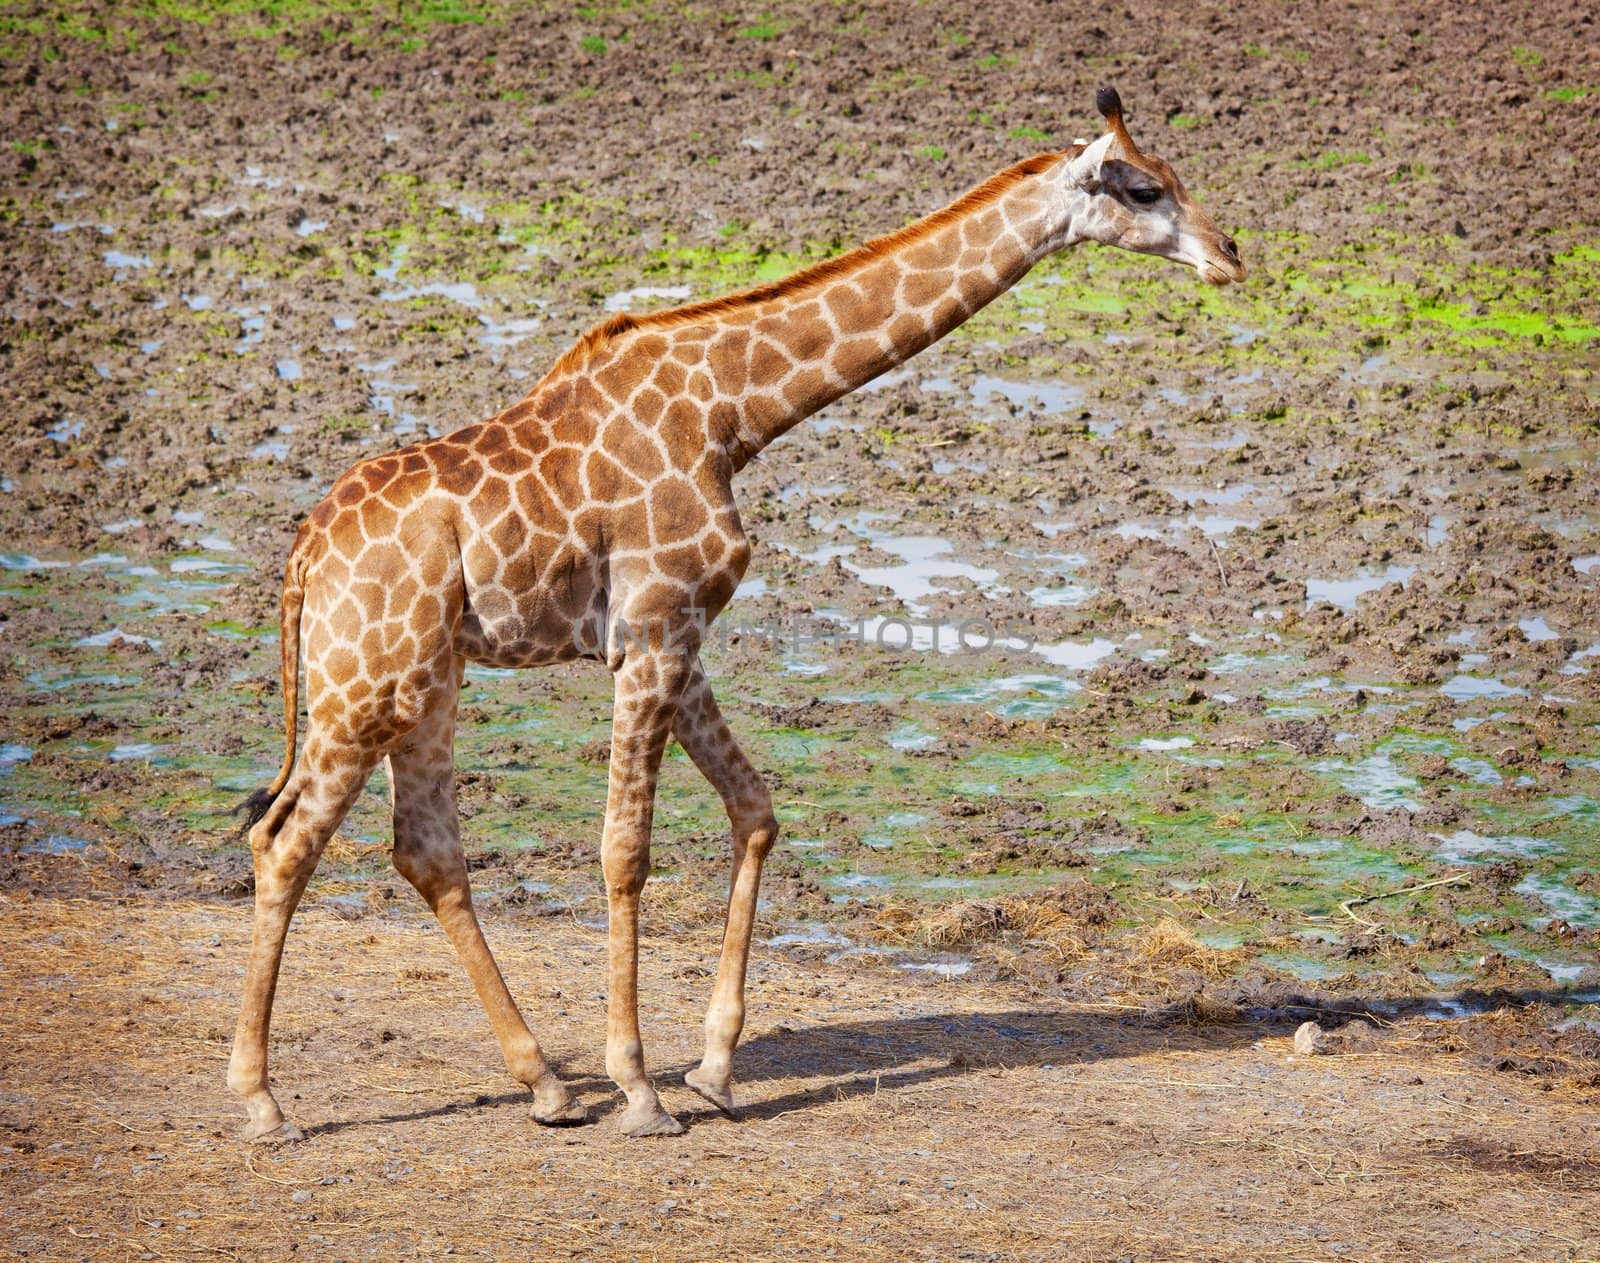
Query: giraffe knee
pixel 764 838
pixel 756 823
pixel 408 862
pixel 625 867
pixel 284 865
pixel 434 867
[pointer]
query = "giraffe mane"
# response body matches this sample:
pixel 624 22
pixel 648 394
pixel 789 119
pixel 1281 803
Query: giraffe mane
pixel 600 336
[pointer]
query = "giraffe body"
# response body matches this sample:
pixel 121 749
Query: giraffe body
pixel 596 519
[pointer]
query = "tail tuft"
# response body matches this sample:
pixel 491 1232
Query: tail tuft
pixel 255 807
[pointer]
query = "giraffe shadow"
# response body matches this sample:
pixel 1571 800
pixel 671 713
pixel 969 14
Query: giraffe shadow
pixel 595 1091
pixel 844 1060
pixel 861 1058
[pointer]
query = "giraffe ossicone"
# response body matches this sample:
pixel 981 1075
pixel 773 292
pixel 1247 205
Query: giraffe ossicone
pixel 599 505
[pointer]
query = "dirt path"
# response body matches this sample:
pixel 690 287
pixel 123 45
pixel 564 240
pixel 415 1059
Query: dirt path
pixel 888 1117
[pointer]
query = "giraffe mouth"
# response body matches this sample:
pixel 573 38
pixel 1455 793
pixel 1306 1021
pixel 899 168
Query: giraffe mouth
pixel 1221 264
pixel 1221 272
pixel 1213 255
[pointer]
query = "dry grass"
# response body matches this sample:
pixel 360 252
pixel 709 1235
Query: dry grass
pixel 1035 920
pixel 1166 946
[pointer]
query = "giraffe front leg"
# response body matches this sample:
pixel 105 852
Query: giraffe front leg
pixel 647 690
pixel 704 735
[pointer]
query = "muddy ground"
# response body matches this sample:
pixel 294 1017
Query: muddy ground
pixel 1295 711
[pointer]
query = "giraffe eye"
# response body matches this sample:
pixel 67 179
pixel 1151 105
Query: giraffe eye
pixel 1145 195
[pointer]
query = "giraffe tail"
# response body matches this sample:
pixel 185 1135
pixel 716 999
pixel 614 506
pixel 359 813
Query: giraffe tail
pixel 255 807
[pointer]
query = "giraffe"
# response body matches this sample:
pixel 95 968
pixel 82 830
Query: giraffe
pixel 595 519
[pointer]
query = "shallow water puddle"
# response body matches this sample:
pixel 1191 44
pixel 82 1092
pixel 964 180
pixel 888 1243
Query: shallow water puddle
pixel 1480 771
pixel 897 823
pixel 1566 902
pixel 852 882
pixel 924 559
pixel 1221 494
pixel 463 292
pixel 1326 684
pixel 114 636
pixel 199 564
pixel 812 934
pixel 1572 667
pixel 56 844
pixel 1375 780
pixel 386 390
pixel 500 334
pixel 1305 968
pixel 1468 688
pixel 911 736
pixel 1050 396
pixel 28 563
pixel 1241 662
pixel 628 299
pixel 949 968
pixel 1211 525
pixel 122 263
pixel 1464 846
pixel 1536 629
pixel 1041 695
pixel 66 680
pixel 1064 595
pixel 1562 972
pixel 1074 655
pixel 1578 807
pixel 1228 443
pixel 136 752
pixel 1345 593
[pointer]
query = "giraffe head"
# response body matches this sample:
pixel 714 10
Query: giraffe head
pixel 1136 201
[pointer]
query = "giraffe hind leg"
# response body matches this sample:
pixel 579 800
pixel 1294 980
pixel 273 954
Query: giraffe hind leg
pixel 286 846
pixel 427 852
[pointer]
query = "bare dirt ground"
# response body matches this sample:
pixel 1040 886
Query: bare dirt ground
pixel 1307 724
pixel 883 1118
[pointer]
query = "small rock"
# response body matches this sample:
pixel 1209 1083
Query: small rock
pixel 1310 1040
pixel 301 1195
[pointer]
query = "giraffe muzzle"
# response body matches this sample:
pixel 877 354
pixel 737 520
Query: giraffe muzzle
pixel 1222 265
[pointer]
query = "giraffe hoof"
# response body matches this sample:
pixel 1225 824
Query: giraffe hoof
pixel 285 1133
pixel 567 1113
pixel 718 1093
pixel 650 1121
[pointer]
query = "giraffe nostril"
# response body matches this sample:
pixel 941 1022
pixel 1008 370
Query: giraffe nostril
pixel 1229 249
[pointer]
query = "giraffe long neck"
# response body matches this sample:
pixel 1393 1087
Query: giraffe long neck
pixel 815 340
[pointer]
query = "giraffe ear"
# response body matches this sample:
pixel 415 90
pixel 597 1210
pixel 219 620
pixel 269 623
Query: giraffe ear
pixel 1084 170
